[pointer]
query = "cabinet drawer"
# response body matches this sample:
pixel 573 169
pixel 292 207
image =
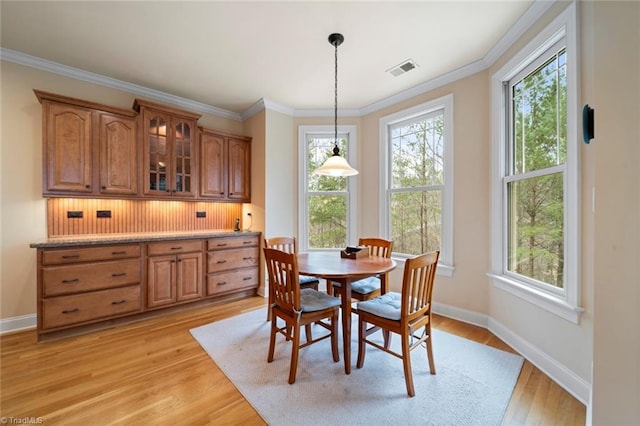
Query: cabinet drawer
pixel 222 260
pixel 92 254
pixel 65 310
pixel 232 242
pixel 230 281
pixel 174 247
pixel 57 280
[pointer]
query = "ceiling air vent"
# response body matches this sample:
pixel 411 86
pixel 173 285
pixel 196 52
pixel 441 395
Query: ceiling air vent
pixel 403 67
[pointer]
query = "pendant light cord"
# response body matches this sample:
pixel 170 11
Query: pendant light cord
pixel 335 101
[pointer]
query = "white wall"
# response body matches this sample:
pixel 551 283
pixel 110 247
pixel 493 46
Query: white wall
pixel 613 90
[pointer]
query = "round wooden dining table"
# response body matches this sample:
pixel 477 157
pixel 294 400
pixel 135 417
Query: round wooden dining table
pixel 331 266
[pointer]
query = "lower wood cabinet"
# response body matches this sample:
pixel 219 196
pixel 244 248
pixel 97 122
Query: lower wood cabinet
pixel 86 287
pixel 174 272
pixel 232 264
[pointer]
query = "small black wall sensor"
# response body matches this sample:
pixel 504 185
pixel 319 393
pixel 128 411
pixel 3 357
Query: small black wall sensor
pixel 587 123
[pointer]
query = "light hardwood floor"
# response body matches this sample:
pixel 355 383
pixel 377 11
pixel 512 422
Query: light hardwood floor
pixel 153 372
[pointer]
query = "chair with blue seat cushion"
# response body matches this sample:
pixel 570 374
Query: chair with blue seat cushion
pixel 370 287
pixel 404 313
pixel 290 245
pixel 297 307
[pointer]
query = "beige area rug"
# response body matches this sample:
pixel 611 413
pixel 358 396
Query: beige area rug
pixel 472 386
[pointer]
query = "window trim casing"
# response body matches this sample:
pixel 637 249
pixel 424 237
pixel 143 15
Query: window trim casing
pixel 351 131
pixel 446 260
pixel 567 304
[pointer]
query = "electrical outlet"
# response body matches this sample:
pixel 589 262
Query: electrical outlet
pixel 103 213
pixel 74 214
pixel 201 214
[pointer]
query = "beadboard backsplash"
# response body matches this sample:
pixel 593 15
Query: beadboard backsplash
pixel 132 216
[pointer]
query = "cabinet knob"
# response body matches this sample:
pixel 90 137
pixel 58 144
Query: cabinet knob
pixel 88 186
pixel 104 187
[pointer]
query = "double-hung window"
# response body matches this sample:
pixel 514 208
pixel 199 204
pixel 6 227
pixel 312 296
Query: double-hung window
pixel 417 183
pixel 536 186
pixel 327 204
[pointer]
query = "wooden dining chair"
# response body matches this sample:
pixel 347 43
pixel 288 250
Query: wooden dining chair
pixel 402 313
pixel 297 307
pixel 289 245
pixel 367 288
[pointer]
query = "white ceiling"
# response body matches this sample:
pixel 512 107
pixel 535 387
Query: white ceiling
pixel 229 55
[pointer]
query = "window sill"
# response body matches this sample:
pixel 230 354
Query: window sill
pixel 539 298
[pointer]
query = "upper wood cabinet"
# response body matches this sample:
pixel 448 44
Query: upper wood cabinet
pixel 225 171
pixel 169 146
pixel 88 148
pixel 152 152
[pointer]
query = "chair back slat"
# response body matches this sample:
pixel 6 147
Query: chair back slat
pixel 286 244
pixel 417 286
pixel 284 287
pixel 377 246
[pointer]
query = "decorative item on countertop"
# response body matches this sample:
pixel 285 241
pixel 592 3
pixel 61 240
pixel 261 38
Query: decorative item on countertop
pixel 355 252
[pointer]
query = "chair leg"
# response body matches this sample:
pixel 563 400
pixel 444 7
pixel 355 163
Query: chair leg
pixel 295 349
pixel 334 336
pixel 432 367
pixel 272 339
pixel 307 332
pixel 362 334
pixel 406 362
pixel 387 338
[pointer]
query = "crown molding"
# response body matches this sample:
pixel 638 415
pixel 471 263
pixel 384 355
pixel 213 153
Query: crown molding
pixel 101 80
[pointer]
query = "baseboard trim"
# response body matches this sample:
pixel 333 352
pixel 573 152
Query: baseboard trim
pixel 23 322
pixel 559 373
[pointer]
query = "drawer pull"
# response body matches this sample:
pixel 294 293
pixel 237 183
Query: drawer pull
pixel 222 283
pixel 73 280
pixel 119 274
pixel 221 244
pixel 246 278
pixel 71 256
pixel 247 258
pixel 119 302
pixel 117 253
pixel 247 242
pixel 70 311
pixel 221 261
pixel 176 248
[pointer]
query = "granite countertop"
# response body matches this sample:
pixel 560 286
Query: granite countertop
pixel 141 237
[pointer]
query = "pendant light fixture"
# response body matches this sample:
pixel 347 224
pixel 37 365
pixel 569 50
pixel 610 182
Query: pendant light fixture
pixel 336 165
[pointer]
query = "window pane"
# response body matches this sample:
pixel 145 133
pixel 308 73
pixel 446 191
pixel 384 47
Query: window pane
pixel 417 152
pixel 319 149
pixel 327 221
pixel 536 228
pixel 416 221
pixel 540 117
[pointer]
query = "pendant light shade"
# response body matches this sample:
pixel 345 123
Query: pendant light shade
pixel 336 165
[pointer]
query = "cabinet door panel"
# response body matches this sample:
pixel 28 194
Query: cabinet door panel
pixel 118 155
pixel 68 148
pixel 239 170
pixel 189 276
pixel 161 276
pixel 213 167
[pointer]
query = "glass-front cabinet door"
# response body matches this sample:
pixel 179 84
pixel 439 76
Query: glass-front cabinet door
pixel 183 157
pixel 169 148
pixel 157 153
